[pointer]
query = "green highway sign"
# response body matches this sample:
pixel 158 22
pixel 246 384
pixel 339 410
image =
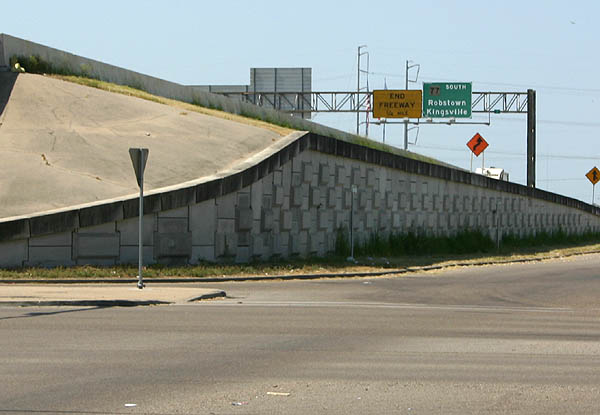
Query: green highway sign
pixel 447 100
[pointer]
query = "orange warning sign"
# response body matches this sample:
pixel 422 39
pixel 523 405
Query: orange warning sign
pixel 593 175
pixel 477 144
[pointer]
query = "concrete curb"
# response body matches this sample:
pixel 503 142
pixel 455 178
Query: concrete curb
pixel 294 276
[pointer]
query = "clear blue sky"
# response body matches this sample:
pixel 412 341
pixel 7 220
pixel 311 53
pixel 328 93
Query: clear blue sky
pixel 550 46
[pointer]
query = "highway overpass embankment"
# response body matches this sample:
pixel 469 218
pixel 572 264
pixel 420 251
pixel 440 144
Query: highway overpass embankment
pixel 220 189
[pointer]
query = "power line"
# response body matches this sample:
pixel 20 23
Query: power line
pixel 515 154
pixel 536 86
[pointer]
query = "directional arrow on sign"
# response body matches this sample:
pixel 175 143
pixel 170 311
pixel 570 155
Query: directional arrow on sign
pixel 477 144
pixel 593 175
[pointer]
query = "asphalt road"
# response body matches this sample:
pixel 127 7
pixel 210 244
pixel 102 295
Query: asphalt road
pixel 515 339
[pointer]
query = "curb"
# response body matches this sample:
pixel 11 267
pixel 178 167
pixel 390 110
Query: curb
pixel 289 277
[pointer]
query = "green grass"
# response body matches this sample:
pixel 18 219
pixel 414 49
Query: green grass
pixel 472 242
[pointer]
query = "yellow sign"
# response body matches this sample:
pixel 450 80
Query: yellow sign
pixel 390 103
pixel 593 175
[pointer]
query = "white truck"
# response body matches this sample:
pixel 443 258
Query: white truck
pixel 493 172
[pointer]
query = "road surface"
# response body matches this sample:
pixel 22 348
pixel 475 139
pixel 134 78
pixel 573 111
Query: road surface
pixel 508 339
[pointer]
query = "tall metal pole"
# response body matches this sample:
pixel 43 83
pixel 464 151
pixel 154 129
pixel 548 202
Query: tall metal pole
pixel 482 161
pixel 140 240
pixel 406 119
pixel 358 91
pixel 353 191
pixel 531 138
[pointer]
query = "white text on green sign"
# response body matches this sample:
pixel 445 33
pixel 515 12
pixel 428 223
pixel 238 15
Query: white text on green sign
pixel 447 100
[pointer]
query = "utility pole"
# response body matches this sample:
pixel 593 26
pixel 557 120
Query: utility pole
pixel 406 119
pixel 358 86
pixel 531 138
pixel 408 67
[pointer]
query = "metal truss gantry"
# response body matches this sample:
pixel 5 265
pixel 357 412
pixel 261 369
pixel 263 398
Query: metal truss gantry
pixel 336 101
pixel 356 102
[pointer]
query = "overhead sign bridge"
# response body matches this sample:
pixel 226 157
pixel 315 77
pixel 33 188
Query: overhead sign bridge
pixel 303 103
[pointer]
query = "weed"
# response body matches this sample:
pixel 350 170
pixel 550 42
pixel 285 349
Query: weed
pixel 37 65
pixel 413 243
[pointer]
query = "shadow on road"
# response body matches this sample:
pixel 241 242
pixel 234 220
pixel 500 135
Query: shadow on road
pixel 7 82
pixel 54 411
pixel 49 313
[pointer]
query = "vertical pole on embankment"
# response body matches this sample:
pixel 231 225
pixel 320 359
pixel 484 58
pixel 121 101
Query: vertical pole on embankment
pixel 358 91
pixel 139 156
pixel 353 191
pixel 406 119
pixel 530 138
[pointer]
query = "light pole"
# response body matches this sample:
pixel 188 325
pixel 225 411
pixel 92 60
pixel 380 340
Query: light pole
pixel 406 81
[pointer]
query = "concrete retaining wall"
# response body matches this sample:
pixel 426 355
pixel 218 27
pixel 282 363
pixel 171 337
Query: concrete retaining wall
pixel 288 202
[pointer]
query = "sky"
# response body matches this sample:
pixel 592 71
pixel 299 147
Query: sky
pixel 549 46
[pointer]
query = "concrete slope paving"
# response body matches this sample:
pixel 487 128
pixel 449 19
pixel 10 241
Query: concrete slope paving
pixel 63 144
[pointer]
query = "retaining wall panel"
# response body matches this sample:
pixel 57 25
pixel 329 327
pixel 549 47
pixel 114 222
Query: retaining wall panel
pixel 100 214
pixel 50 256
pixel 177 198
pixel 96 246
pixel 129 255
pixel 14 254
pixel 54 223
pixel 129 230
pixel 208 190
pixel 14 230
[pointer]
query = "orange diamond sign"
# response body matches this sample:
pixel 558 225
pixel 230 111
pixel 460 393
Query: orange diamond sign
pixel 477 144
pixel 593 175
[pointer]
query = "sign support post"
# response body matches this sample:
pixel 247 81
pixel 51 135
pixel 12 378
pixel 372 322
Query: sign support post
pixel 531 144
pixel 477 144
pixel 482 161
pixel 139 156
